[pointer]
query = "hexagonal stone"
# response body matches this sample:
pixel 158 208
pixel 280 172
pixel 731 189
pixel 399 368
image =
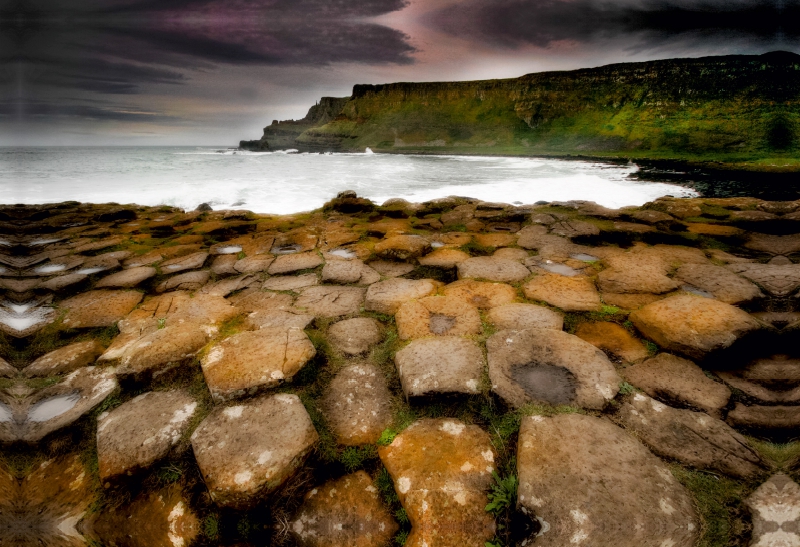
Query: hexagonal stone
pixel 387 296
pixel 265 319
pixel 294 262
pixel 508 253
pixel 349 271
pixel 346 512
pixel 437 315
pixel 391 269
pixel 679 381
pixel 141 431
pixel 160 517
pixel 223 265
pixel 126 278
pixel 249 362
pixel 58 406
pixel 189 281
pixel 255 300
pixel 99 308
pixel 525 316
pixel 355 336
pixel 248 451
pixel 574 228
pixel 693 325
pixel 721 282
pixel 447 364
pixel 442 471
pixel 65 359
pixel 443 258
pixel 614 339
pixel 590 483
pixel 330 301
pixel 760 417
pixel 775 510
pixel 62 282
pixel 402 247
pixel 493 269
pixel 778 280
pixel 290 282
pixel 161 350
pixel 183 263
pixel 480 293
pixel 357 405
pixel 223 287
pixel 253 264
pixel 548 366
pixel 693 438
pixel 568 293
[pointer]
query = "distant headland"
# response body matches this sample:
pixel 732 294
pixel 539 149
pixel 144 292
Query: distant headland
pixel 733 112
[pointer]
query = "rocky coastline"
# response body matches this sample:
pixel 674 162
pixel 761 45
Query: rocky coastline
pixel 447 373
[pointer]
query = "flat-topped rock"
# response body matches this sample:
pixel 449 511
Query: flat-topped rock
pixel 223 287
pixel 482 294
pixel 574 228
pixel 277 319
pixel 775 510
pixel 679 381
pixel 189 281
pixel 391 269
pixel 65 359
pixel 248 451
pixel 160 517
pixel 614 339
pixel 693 438
pixel 773 379
pixel 436 316
pixel 524 316
pixel 591 483
pixel 223 265
pixel 160 350
pixel 777 280
pixel 447 364
pixel 635 279
pixel 774 244
pixel 357 405
pixel 98 308
pixel 290 282
pixel 253 264
pixel 349 271
pixel 126 278
pixel 355 336
pixel 62 404
pixel 442 471
pixel 255 300
pixel 331 301
pixel 345 512
pixel 62 282
pixel 295 262
pixel 249 362
pixel 443 258
pixel 760 417
pixel 183 263
pixel 720 282
pixel 692 325
pixel 402 247
pixel 142 431
pixel 492 269
pixel 387 296
pixel 549 366
pixel 568 293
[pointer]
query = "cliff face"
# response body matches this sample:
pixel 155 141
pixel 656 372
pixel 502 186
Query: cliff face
pixel 282 135
pixel 734 108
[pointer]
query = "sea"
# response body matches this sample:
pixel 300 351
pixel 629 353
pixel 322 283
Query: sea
pixel 285 182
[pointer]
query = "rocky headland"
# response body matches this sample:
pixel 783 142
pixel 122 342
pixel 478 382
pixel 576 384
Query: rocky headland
pixel 737 112
pixel 447 373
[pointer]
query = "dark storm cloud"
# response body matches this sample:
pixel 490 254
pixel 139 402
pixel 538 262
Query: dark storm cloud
pixel 37 110
pixel 512 23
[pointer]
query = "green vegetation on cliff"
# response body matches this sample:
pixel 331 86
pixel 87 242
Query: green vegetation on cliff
pixel 743 111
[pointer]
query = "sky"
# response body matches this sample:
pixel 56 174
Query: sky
pixel 212 72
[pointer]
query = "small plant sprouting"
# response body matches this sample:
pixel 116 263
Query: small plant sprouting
pixel 401 537
pixel 609 310
pixel 162 322
pixel 240 255
pixel 652 349
pixel 503 495
pixel 401 516
pixel 211 526
pixel 625 388
pixel 387 437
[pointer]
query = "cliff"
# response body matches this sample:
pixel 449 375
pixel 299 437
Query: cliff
pixel 735 109
pixel 281 135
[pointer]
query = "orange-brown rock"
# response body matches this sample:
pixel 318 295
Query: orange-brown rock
pixel 480 293
pixel 98 308
pixel 437 315
pixel 613 339
pixel 576 293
